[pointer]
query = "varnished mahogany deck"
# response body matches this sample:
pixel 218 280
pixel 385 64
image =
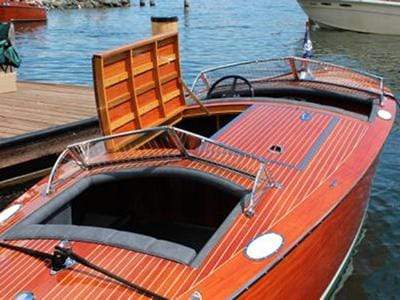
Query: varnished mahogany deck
pixel 323 159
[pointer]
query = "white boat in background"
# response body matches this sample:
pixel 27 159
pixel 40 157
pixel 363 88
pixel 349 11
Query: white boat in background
pixel 369 16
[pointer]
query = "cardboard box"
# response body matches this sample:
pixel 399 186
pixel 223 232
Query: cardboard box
pixel 8 82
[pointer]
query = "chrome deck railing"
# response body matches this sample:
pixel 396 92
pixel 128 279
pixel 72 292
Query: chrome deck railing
pixel 293 69
pixel 163 144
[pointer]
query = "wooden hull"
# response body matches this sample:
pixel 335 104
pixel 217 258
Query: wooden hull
pixel 21 13
pixel 311 270
pixel 290 230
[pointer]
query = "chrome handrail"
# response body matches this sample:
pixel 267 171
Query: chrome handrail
pixel 53 170
pixel 368 75
pixel 80 155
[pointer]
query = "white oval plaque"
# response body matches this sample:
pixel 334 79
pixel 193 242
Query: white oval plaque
pixel 384 114
pixel 264 245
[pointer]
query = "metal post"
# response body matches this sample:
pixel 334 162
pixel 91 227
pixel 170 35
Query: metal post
pixel 186 3
pixel 152 3
pixel 142 3
pixel 177 141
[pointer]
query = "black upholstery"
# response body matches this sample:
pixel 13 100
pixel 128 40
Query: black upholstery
pixel 348 101
pixel 111 237
pixel 54 220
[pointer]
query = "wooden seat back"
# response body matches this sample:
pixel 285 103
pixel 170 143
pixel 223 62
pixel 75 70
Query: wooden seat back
pixel 138 86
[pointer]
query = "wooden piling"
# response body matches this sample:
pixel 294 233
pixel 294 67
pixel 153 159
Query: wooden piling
pixel 161 25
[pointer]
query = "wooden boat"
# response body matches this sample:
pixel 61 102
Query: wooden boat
pixel 255 186
pixel 21 11
pixel 368 16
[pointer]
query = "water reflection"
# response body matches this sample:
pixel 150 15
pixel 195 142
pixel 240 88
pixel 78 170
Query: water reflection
pixel 378 54
pixel 212 33
pixel 29 27
pixel 186 17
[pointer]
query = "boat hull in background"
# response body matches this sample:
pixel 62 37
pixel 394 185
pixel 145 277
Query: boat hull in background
pixel 21 12
pixel 313 267
pixel 371 16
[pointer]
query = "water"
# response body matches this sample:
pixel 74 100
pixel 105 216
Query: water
pixel 217 32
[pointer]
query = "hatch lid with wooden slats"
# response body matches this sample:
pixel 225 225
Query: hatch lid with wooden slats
pixel 138 86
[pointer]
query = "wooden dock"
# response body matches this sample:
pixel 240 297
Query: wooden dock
pixel 40 120
pixel 38 106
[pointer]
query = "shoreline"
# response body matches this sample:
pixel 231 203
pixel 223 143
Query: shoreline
pixel 78 4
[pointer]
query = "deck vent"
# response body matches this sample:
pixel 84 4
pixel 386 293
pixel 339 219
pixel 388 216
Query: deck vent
pixel 196 296
pixel 264 245
pixel 24 296
pixel 305 116
pixel 276 149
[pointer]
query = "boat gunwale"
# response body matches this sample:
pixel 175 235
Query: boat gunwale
pixel 298 242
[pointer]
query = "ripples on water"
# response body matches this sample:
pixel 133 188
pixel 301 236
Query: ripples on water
pixel 216 32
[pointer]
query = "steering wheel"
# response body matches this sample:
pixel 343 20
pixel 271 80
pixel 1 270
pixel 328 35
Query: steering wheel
pixel 230 93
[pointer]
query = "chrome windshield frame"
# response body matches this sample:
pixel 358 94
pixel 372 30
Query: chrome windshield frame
pixel 78 152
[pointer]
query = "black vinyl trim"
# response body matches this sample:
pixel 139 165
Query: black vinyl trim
pixel 48 133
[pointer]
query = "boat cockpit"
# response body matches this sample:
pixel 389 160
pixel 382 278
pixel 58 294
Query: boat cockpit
pixel 167 193
pixel 294 79
pixel 173 213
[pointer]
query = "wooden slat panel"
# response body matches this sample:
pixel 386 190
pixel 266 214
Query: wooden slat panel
pixel 144 78
pixel 143 68
pixel 116 67
pixel 172 95
pixel 100 94
pixel 151 85
pixel 165 59
pixel 134 102
pixel 122 121
pixel 120 99
pixel 155 55
pixel 120 111
pixel 138 85
pixel 145 88
pixel 116 79
pixel 116 91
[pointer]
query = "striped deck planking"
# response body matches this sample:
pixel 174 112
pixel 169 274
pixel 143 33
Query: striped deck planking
pixel 313 151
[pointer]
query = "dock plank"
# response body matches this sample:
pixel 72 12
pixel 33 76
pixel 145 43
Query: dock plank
pixel 38 106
